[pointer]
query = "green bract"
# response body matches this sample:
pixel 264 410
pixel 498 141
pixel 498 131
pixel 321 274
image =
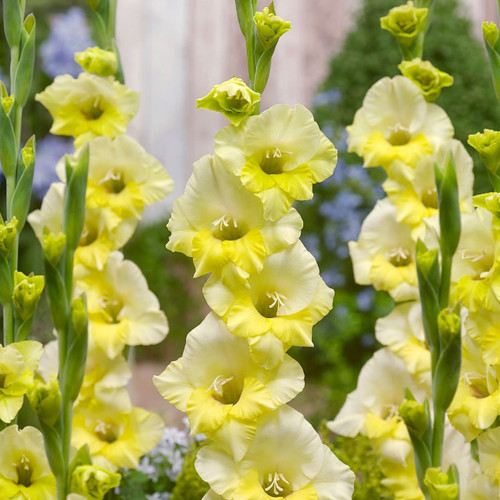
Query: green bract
pixel 270 27
pixel 424 74
pixel 45 400
pixel 405 23
pixel 487 144
pixel 98 61
pixel 414 416
pixel 233 98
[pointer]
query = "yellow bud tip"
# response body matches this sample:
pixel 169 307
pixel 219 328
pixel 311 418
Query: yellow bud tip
pixel 490 33
pixel 7 103
pixel 98 61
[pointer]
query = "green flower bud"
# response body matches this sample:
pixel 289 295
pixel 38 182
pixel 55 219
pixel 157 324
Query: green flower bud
pixel 98 61
pixel 414 416
pixel 7 103
pixel 8 231
pixel 233 98
pixel 449 325
pixel 405 23
pixel 27 293
pixel 426 76
pixel 53 246
pixel 487 144
pixel 440 485
pixel 28 152
pixel 93 4
pixel 270 27
pixel 79 315
pixel 490 33
pixel 93 482
pixel 45 399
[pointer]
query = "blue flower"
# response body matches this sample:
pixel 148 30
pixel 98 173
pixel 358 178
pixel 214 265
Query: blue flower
pixel 70 33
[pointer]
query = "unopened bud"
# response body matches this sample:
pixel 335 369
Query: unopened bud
pixel 28 152
pixel 270 27
pixel 487 144
pixel 405 23
pixel 414 416
pixel 440 485
pixel 490 33
pixel 7 103
pixel 424 74
pixel 27 293
pixel 45 399
pixel 233 98
pixel 53 246
pixel 98 61
pixel 8 231
pixel 449 325
pixel 93 482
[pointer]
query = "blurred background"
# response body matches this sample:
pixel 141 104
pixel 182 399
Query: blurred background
pixel 173 52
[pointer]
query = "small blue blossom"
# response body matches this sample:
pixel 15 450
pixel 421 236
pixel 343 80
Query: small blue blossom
pixel 69 34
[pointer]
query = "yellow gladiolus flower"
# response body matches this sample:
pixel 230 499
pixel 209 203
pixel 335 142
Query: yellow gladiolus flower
pixel 476 404
pixel 489 453
pixel 222 226
pixel 482 487
pixel 397 123
pixel 373 408
pixel 93 482
pixel 384 255
pixel 405 22
pixel 278 155
pixel 221 388
pixel 484 327
pixel 475 268
pixel 98 61
pixel 117 439
pixel 24 469
pixel 98 239
pixel 402 332
pixel 122 178
pixel 413 190
pixel 89 106
pixel 18 362
pixel 276 308
pixel 286 460
pixel 122 311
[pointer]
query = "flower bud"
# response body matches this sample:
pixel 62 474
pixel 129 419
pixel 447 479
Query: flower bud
pixel 45 400
pixel 490 33
pixel 490 202
pixel 7 103
pixel 79 315
pixel 270 27
pixel 487 144
pixel 233 98
pixel 8 231
pixel 28 152
pixel 405 23
pixel 449 325
pixel 27 293
pixel 98 61
pixel 426 76
pixel 93 482
pixel 414 416
pixel 440 485
pixel 53 246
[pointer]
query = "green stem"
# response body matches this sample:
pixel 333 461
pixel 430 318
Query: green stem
pixel 250 46
pixel 437 435
pixel 66 420
pixel 8 324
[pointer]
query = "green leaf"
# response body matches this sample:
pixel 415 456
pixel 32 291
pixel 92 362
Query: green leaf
pixel 82 457
pixel 25 328
pixel 263 70
pixel 24 73
pixel 12 17
pixel 53 447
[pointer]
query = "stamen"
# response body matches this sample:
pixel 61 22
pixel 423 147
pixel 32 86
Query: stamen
pixel 399 256
pixel 224 222
pixel 274 479
pixel 218 383
pixel 470 255
pixel 393 411
pixel 278 298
